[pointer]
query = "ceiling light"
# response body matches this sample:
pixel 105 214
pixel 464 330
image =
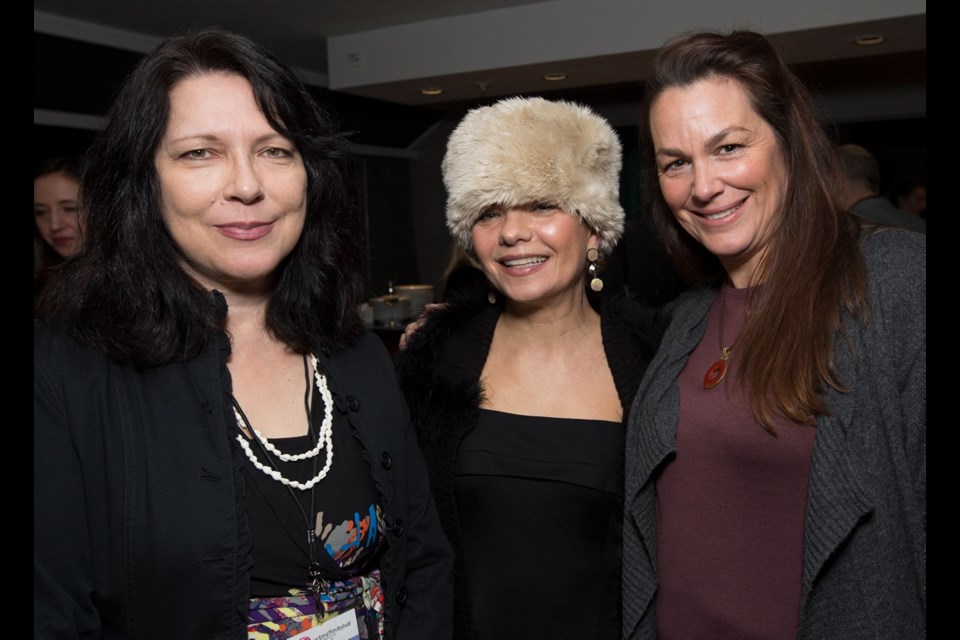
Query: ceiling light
pixel 869 39
pixel 554 77
pixel 431 91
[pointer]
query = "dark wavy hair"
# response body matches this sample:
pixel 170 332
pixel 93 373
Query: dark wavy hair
pixel 45 259
pixel 127 294
pixel 813 271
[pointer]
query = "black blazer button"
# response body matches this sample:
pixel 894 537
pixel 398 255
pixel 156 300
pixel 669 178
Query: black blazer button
pixel 401 596
pixel 339 402
pixel 353 403
pixel 385 460
pixel 398 528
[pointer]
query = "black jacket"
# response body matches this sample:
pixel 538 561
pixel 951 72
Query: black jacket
pixel 440 376
pixel 140 529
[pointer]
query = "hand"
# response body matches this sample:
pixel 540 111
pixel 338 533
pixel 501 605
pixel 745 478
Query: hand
pixel 412 327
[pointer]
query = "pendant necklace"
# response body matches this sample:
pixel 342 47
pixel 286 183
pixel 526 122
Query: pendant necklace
pixel 315 582
pixel 718 369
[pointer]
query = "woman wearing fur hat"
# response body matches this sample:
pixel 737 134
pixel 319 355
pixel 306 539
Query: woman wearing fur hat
pixel 519 392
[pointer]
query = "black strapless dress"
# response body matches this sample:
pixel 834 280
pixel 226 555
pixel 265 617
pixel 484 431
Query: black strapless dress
pixel 539 502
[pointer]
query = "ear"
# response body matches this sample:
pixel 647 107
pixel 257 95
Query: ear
pixel 593 242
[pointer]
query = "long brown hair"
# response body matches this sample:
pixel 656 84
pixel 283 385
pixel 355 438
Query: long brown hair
pixel 813 271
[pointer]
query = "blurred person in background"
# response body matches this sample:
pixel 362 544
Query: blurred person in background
pixel 860 191
pixel 58 225
pixel 911 196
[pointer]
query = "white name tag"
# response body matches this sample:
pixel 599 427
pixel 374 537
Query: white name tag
pixel 342 627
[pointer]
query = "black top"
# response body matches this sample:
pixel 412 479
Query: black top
pixel 540 502
pixel 440 375
pixel 345 513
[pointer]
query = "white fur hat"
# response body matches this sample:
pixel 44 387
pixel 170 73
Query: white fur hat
pixel 524 150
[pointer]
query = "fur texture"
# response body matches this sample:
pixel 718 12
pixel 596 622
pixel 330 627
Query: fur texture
pixel 524 150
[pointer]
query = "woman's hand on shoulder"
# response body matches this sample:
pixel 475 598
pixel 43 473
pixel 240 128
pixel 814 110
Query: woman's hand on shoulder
pixel 414 326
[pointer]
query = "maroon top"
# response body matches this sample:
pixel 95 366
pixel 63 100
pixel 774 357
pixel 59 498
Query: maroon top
pixel 730 506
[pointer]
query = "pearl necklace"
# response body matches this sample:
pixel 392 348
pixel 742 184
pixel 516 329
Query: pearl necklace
pixel 324 438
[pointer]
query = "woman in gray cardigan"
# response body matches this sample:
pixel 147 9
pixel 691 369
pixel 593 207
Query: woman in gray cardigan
pixel 775 459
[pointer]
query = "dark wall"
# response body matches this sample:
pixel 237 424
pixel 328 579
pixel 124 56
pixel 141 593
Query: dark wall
pixel 82 78
pixel 49 141
pixel 383 188
pixel 900 147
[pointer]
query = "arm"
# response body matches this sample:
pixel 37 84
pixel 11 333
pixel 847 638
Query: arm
pixel 912 337
pixel 62 576
pixel 898 269
pixel 898 334
pixel 915 414
pixel 419 583
pixel 911 374
pixel 428 612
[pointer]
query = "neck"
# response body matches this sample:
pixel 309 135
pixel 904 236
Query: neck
pixel 744 273
pixel 245 314
pixel 546 322
pixel 246 299
pixel 740 278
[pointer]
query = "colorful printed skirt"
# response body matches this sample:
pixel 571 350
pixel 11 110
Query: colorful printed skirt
pixel 282 618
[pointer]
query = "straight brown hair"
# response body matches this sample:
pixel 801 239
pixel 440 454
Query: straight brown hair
pixel 813 272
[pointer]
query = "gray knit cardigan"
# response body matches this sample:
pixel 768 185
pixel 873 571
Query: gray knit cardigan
pixel 864 556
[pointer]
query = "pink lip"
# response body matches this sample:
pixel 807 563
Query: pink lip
pixel 521 270
pixel 245 230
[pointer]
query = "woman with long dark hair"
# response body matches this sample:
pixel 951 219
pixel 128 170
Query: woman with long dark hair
pixel 220 450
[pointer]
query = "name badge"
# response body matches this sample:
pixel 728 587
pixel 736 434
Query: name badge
pixel 341 627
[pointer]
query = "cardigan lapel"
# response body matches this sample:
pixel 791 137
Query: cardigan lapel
pixel 651 440
pixel 653 443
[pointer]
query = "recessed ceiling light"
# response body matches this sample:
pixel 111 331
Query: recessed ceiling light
pixel 431 91
pixel 869 39
pixel 554 77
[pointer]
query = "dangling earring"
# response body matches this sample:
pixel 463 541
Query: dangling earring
pixel 593 256
pixel 492 297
